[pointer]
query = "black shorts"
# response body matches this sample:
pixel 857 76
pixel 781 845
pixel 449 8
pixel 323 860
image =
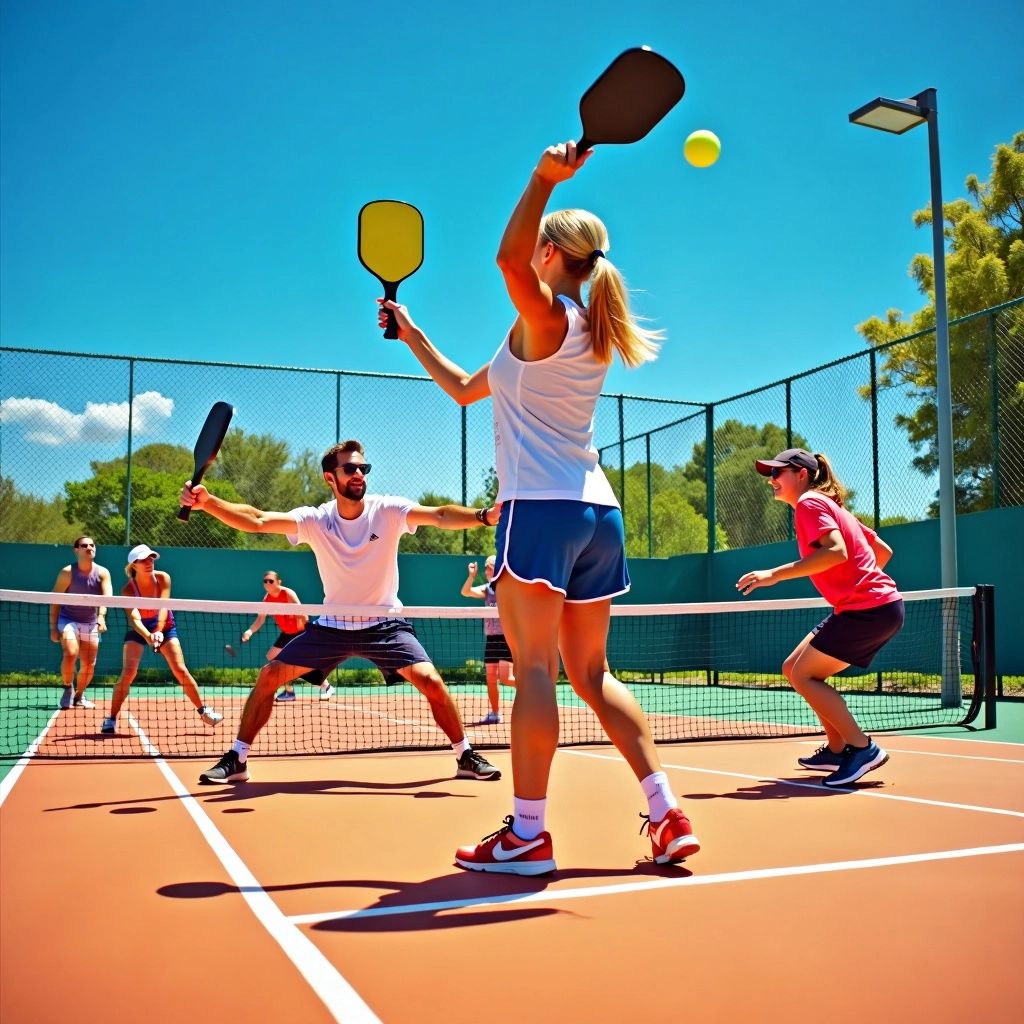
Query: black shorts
pixel 496 649
pixel 283 638
pixel 390 645
pixel 856 637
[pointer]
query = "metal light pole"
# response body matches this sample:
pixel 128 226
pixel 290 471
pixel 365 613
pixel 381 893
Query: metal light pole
pixel 897 117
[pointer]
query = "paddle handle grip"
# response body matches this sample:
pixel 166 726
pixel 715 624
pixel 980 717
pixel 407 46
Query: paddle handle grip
pixel 391 295
pixel 197 478
pixel 583 145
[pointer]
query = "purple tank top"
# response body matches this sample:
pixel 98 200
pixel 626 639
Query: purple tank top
pixel 82 583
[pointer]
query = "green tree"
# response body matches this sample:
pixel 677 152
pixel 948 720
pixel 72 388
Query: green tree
pixel 30 520
pixel 675 526
pixel 479 540
pixel 100 503
pixel 984 267
pixel 744 506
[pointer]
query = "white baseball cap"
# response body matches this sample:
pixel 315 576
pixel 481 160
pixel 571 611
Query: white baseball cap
pixel 141 551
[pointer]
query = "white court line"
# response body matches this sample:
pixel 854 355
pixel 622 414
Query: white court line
pixel 342 1001
pixel 558 895
pixel 956 757
pixel 818 787
pixel 954 739
pixel 8 781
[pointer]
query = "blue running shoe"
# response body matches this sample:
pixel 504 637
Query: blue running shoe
pixel 823 759
pixel 857 763
pixel 285 695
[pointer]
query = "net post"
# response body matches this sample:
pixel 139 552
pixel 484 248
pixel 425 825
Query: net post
pixel 985 615
pixel 952 694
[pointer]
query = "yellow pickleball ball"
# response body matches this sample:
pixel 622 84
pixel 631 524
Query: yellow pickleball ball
pixel 702 148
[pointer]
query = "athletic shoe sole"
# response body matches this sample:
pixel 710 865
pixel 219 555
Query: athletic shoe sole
pixel 526 867
pixel 679 849
pixel 859 773
pixel 242 776
pixel 819 767
pixel 465 773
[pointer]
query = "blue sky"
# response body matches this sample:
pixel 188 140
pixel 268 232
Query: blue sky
pixel 184 179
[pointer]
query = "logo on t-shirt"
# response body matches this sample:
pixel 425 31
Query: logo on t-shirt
pixel 374 536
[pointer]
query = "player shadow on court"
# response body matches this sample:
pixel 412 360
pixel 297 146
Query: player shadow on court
pixel 456 900
pixel 786 789
pixel 316 787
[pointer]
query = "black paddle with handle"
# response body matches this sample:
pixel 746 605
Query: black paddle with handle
pixel 208 445
pixel 629 98
pixel 390 247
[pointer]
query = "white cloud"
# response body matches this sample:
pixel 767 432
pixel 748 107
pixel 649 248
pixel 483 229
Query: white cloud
pixel 101 423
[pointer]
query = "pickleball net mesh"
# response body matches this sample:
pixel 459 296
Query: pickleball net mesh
pixel 700 671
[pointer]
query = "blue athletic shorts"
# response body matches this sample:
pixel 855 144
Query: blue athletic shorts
pixel 856 637
pixel 390 645
pixel 575 547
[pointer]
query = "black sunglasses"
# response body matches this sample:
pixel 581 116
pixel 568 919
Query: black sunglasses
pixel 777 471
pixel 268 580
pixel 351 467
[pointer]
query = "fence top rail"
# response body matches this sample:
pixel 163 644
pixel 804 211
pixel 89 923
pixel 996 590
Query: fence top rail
pixel 866 353
pixel 701 411
pixel 292 369
pixel 991 311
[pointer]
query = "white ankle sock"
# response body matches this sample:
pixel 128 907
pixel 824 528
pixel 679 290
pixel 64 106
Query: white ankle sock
pixel 462 746
pixel 529 815
pixel 660 798
pixel 241 749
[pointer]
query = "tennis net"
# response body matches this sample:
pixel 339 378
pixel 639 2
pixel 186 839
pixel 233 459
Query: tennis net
pixel 700 671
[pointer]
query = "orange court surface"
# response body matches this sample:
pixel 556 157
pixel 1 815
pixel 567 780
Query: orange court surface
pixel 324 890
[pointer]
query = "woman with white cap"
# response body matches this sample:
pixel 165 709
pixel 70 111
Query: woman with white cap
pixel 155 628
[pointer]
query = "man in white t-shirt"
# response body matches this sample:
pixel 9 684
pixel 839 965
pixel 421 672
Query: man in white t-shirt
pixel 355 541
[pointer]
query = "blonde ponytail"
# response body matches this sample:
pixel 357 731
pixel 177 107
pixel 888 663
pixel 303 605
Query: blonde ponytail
pixel 583 240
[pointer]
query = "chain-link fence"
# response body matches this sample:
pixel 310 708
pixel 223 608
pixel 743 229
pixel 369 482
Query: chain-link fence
pixel 101 444
pixel 872 412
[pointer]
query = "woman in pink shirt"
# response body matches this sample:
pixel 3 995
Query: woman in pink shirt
pixel 845 561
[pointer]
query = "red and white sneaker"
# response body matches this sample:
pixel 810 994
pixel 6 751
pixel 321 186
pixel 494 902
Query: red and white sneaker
pixel 672 839
pixel 504 852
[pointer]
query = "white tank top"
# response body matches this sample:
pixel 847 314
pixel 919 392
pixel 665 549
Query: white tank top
pixel 544 419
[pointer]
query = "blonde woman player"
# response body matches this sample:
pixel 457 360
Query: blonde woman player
pixel 497 656
pixel 845 561
pixel 289 626
pixel 560 542
pixel 77 629
pixel 154 628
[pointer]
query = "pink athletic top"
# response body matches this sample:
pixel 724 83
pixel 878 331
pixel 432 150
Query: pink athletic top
pixel 857 583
